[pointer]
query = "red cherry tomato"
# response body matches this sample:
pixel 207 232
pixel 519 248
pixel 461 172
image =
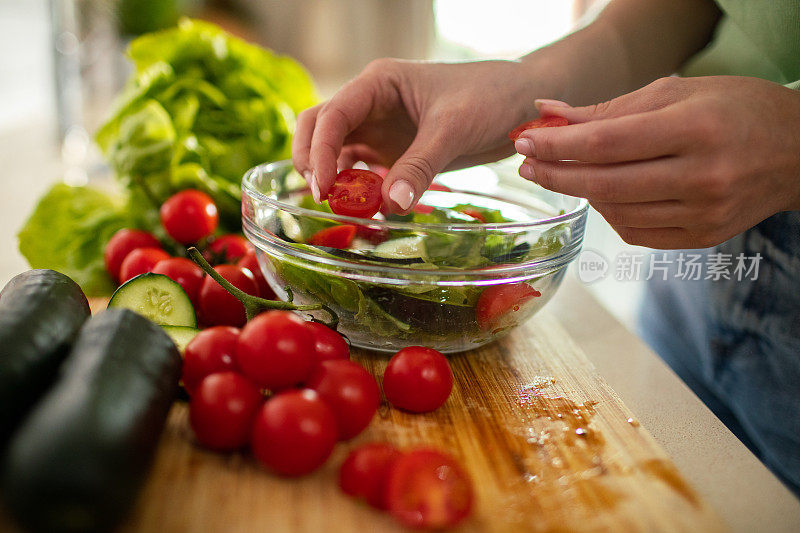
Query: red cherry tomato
pixel 350 391
pixel 250 262
pixel 365 471
pixel 328 344
pixel 189 216
pixel 210 351
pixel 422 209
pixel 439 187
pixel 497 300
pixel 185 273
pixel 228 249
pixel 139 261
pixel 334 237
pixel 428 489
pixel 294 432
pixel 356 193
pixel 474 213
pixel 223 409
pixel 417 379
pixel 121 244
pixel 217 306
pixel 276 351
pixel 372 235
pixel 541 122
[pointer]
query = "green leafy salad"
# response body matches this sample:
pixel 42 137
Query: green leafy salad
pixel 200 108
pixel 416 306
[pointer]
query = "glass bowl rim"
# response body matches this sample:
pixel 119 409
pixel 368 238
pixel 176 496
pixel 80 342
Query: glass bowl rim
pixel 249 190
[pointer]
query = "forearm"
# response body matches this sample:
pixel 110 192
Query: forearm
pixel 631 43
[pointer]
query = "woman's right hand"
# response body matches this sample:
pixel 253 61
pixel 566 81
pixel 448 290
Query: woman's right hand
pixel 417 119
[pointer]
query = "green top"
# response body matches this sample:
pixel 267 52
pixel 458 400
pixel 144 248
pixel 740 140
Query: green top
pixel 759 38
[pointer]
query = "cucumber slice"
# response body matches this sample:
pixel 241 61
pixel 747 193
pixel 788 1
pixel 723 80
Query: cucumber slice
pixel 157 297
pixel 181 335
pixel 402 248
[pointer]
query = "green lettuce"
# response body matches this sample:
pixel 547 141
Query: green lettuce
pixel 68 231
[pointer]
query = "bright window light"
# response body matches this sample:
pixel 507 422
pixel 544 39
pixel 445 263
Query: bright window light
pixel 502 28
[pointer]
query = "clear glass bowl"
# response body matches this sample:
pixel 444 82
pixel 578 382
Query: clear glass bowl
pixel 417 290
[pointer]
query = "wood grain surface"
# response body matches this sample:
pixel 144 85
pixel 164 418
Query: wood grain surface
pixel 550 447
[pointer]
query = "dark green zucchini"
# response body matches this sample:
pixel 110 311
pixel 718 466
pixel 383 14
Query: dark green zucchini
pixel 77 462
pixel 41 312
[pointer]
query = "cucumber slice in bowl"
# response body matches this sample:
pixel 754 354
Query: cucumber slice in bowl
pixel 158 298
pixel 181 335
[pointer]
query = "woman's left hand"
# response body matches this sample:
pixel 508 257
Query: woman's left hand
pixel 680 163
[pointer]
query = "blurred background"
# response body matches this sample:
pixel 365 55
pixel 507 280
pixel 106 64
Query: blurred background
pixel 63 62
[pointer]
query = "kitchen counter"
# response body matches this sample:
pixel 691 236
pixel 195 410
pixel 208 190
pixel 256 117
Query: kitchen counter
pixel 723 471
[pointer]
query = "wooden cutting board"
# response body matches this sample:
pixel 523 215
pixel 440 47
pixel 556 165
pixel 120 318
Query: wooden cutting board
pixel 550 447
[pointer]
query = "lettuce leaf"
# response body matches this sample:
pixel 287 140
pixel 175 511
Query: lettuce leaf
pixel 68 231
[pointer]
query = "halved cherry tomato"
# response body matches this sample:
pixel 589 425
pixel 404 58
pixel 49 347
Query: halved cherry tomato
pixel 328 344
pixel 276 350
pixel 227 249
pixel 428 489
pixel 417 379
pixel 217 306
pixel 356 193
pixel 335 236
pixel 439 187
pixel 250 262
pixel 121 244
pixel 223 409
pixel 350 391
pixel 364 472
pixel 294 432
pixel 185 273
pixel 210 351
pixel 474 213
pixel 541 122
pixel 422 209
pixel 139 261
pixel 497 300
pixel 373 235
pixel 189 216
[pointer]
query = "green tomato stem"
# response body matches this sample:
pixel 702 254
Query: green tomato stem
pixel 253 304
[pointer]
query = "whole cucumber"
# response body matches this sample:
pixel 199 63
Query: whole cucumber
pixel 77 462
pixel 41 312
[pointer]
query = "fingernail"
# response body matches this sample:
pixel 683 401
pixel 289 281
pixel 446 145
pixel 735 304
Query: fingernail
pixel 315 188
pixel 526 171
pixel 552 103
pixel 402 192
pixel 524 146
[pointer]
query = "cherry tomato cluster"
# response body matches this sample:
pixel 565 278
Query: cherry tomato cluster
pixel 190 217
pixel 421 488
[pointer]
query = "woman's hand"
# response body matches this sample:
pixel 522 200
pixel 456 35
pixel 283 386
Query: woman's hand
pixel 680 163
pixel 416 119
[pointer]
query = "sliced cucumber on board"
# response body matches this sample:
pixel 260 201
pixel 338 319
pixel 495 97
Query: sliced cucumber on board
pixel 157 297
pixel 79 458
pixel 41 312
pixel 181 335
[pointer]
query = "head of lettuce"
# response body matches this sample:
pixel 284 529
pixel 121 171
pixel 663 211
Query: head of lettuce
pixel 200 108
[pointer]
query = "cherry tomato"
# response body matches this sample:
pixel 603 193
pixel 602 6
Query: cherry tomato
pixel 372 235
pixel 223 409
pixel 439 187
pixel 276 351
pixel 250 262
pixel 474 213
pixel 189 216
pixel 185 273
pixel 334 237
pixel 356 193
pixel 365 471
pixel 350 391
pixel 422 209
pixel 294 432
pixel 227 249
pixel 328 344
pixel 417 379
pixel 497 300
pixel 217 307
pixel 121 244
pixel 139 261
pixel 210 351
pixel 541 122
pixel 428 489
